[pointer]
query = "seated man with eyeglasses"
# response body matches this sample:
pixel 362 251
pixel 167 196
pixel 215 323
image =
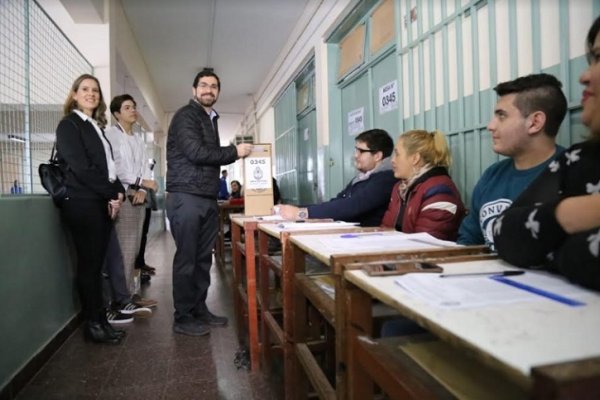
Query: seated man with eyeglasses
pixel 366 197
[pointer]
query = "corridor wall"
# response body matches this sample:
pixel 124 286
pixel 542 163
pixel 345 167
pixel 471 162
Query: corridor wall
pixel 444 59
pixel 37 289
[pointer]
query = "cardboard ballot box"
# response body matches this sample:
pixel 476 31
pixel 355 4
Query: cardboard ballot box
pixel 258 181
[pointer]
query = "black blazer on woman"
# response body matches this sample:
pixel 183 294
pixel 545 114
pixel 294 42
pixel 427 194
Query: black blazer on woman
pixel 81 154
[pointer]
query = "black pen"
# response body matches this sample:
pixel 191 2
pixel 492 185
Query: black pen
pixel 494 273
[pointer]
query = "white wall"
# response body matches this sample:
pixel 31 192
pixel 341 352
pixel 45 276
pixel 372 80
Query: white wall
pixel 124 44
pixel 307 40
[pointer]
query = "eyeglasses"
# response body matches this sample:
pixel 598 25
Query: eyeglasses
pixel 361 151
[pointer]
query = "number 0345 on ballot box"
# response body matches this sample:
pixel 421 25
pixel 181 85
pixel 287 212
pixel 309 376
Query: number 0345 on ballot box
pixel 258 195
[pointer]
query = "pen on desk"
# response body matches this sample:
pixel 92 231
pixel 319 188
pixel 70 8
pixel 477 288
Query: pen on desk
pixel 356 235
pixel 492 273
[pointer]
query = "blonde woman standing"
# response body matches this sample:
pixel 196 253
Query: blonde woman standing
pixel 94 198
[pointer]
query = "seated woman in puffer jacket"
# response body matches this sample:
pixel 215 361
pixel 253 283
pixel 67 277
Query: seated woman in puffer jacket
pixel 425 199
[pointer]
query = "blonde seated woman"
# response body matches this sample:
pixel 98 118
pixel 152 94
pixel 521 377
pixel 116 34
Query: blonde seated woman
pixel 425 199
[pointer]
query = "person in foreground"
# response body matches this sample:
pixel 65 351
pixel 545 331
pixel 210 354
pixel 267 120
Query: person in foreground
pixel 555 223
pixel 95 195
pixel 425 199
pixel 365 198
pixel 526 120
pixel 194 156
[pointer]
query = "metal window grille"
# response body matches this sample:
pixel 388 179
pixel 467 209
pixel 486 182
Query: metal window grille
pixel 37 67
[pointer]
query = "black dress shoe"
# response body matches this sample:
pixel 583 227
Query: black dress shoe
pixel 95 332
pixel 120 333
pixel 211 319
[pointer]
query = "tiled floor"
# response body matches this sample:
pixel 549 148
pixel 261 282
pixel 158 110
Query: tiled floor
pixel 153 362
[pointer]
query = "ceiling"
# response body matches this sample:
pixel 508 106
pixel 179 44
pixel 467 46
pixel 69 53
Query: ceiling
pixel 240 39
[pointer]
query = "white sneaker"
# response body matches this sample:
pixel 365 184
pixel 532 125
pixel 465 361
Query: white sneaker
pixel 134 309
pixel 115 317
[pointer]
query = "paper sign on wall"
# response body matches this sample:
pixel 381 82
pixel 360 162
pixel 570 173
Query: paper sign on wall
pixel 388 97
pixel 356 121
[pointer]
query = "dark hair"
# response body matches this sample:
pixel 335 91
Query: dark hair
pixel 206 72
pixel 377 140
pixel 71 104
pixel 538 92
pixel 591 38
pixel 117 102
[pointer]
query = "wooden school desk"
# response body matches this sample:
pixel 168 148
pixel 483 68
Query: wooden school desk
pixel 225 209
pixel 276 321
pixel 336 250
pixel 541 349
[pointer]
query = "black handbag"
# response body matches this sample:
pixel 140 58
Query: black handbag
pixel 52 178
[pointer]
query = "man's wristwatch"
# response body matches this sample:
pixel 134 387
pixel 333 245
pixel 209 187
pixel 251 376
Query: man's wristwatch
pixel 302 213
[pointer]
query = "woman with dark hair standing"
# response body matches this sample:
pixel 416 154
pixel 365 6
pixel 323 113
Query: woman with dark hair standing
pixel 94 197
pixel 555 223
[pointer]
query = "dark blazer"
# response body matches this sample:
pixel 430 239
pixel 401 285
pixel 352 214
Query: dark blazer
pixel 82 157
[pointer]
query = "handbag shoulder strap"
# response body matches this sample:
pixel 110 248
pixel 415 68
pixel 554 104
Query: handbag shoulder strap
pixel 54 154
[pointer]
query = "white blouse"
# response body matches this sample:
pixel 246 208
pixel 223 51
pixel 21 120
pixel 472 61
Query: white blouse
pixel 130 155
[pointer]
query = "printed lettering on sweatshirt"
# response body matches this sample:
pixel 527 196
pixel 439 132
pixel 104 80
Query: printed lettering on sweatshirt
pixel 488 214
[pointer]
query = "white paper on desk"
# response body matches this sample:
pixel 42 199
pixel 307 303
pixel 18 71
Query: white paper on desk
pixel 306 226
pixel 481 291
pixel 381 241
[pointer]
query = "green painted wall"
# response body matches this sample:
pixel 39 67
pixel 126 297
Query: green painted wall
pixel 307 152
pixel 286 145
pixel 464 120
pixel 37 289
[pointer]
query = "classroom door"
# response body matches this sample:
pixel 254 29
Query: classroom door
pixel 307 153
pixel 356 118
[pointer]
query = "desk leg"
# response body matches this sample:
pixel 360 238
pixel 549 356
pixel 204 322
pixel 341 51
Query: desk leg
pixel 290 267
pixel 340 338
pixel 263 288
pixel 359 321
pixel 220 245
pixel 251 292
pixel 296 383
pixel 236 237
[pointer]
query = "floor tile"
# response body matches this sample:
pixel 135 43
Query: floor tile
pixel 153 363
